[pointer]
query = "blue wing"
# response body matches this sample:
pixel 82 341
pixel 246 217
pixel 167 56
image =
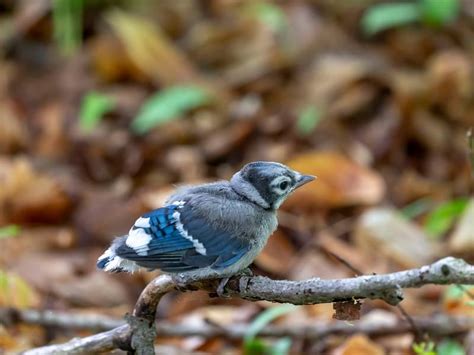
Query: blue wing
pixel 176 239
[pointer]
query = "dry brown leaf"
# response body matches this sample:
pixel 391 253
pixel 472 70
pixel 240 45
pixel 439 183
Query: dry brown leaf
pixel 36 240
pixel 463 305
pixel 96 289
pixel 331 243
pixel 30 196
pixel 188 302
pixel 450 75
pixel 52 141
pixel 462 239
pixel 340 182
pixel 383 233
pixel 90 219
pixel 16 292
pixel 311 263
pixel 14 340
pixel 277 256
pixel 111 61
pixel 348 310
pixel 13 133
pixel 359 344
pixel 146 46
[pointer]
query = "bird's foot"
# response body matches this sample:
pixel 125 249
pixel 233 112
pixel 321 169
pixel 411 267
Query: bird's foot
pixel 221 288
pixel 246 272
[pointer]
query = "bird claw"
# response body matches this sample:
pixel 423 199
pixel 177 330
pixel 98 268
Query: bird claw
pixel 220 291
pixel 246 272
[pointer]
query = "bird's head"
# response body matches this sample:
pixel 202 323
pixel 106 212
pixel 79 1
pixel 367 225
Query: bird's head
pixel 268 184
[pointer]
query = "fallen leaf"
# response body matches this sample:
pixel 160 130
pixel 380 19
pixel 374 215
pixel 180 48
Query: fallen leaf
pixel 168 104
pixel 459 300
pixel 96 289
pixel 147 45
pixel 348 310
pixel 359 344
pixel 340 182
pixel 28 195
pixel 462 238
pixel 110 60
pixel 13 133
pixel 16 292
pixel 311 263
pixel 386 233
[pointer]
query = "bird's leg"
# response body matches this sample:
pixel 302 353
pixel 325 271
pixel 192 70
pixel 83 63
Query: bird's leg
pixel 246 272
pixel 220 291
pixel 221 288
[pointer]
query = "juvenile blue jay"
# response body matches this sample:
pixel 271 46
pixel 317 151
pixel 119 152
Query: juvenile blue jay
pixel 210 231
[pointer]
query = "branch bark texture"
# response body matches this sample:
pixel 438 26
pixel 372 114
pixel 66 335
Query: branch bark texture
pixel 387 287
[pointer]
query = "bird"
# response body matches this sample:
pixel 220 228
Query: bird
pixel 213 230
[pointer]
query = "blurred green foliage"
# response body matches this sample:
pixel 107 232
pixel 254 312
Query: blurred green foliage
pixel 169 104
pixel 254 345
pixel 94 106
pixel 424 348
pixel 15 292
pixel 269 14
pixel 67 22
pixel 450 347
pixel 442 218
pixel 435 13
pixel 9 231
pixel 308 119
pixel 417 208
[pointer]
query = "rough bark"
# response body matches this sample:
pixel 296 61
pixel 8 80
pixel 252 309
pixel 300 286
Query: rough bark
pixel 387 287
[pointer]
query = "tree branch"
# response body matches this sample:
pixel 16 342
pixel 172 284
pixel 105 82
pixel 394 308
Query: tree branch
pixel 386 287
pixel 436 325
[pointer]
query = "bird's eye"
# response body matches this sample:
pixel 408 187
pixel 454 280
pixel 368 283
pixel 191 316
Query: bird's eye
pixel 283 185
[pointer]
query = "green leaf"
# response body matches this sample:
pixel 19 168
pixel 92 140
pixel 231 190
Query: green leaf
pixel 450 347
pixel 424 348
pixel 454 292
pixel 439 12
pixel 9 231
pixel 384 16
pixel 255 347
pixel 262 320
pixel 270 14
pixel 67 24
pixel 416 208
pixel 443 217
pixel 169 104
pixel 93 107
pixel 281 347
pixel 308 119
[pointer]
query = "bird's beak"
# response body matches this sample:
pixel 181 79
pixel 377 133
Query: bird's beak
pixel 304 179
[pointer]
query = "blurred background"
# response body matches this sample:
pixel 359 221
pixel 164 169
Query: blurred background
pixel 106 106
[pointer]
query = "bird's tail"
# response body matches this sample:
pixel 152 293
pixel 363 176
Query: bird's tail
pixel 111 262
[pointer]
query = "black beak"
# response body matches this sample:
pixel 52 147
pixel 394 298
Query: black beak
pixel 304 179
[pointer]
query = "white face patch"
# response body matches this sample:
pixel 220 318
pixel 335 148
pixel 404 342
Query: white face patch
pixel 196 243
pixel 138 240
pixel 281 185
